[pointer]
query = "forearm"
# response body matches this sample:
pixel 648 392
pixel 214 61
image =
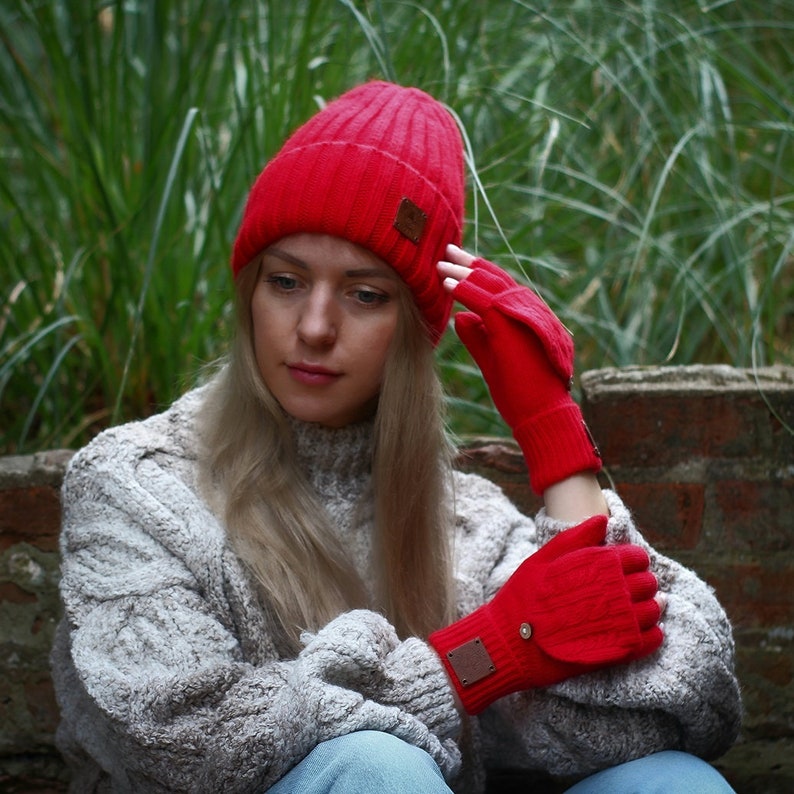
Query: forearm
pixel 361 651
pixel 163 685
pixel 575 498
pixel 684 698
pixel 560 736
pixel 205 721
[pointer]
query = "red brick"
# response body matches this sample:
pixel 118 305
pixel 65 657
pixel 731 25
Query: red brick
pixel 669 515
pixel 663 430
pixel 43 708
pixel 32 515
pixel 765 666
pixel 756 593
pixel 11 593
pixel 755 515
pixel 491 453
pixel 500 460
pixel 780 419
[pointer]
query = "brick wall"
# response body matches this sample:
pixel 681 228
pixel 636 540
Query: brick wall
pixel 29 524
pixel 705 458
pixel 704 455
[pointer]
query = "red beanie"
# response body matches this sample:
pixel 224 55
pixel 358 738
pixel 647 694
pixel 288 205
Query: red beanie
pixel 381 166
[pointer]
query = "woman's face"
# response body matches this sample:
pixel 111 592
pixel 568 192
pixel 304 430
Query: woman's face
pixel 324 313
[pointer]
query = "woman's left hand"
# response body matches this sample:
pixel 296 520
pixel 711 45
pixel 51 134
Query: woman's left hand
pixel 526 356
pixel 483 287
pixel 457 268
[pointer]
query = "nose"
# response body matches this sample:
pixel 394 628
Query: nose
pixel 318 320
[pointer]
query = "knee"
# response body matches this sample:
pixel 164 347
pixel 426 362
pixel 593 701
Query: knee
pixel 662 772
pixel 381 760
pixel 375 751
pixel 690 772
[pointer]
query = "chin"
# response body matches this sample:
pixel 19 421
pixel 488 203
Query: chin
pixel 315 416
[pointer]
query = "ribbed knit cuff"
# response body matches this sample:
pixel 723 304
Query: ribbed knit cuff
pixel 556 445
pixel 478 660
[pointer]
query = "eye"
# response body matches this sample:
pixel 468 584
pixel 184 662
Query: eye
pixel 283 282
pixel 370 297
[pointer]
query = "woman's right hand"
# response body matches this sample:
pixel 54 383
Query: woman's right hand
pixel 361 651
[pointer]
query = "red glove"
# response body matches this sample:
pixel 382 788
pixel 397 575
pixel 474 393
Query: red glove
pixel 526 357
pixel 572 607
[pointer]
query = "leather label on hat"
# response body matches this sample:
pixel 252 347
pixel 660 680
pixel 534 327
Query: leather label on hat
pixel 410 221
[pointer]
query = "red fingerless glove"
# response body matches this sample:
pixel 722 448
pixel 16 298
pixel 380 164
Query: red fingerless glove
pixel 572 607
pixel 526 357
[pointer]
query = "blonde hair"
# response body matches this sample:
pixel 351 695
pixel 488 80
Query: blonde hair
pixel 274 519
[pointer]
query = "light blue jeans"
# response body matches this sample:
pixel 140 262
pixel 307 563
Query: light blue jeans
pixel 371 762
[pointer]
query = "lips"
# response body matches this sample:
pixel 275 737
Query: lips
pixel 312 374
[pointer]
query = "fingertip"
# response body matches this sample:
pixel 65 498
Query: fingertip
pixel 647 614
pixel 657 636
pixel 594 529
pixel 642 586
pixel 459 255
pixel 651 640
pixel 466 320
pixel 633 558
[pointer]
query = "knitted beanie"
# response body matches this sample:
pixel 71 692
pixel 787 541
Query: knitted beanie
pixel 381 166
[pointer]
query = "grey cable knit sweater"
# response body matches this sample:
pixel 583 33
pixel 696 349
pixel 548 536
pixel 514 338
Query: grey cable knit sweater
pixel 170 677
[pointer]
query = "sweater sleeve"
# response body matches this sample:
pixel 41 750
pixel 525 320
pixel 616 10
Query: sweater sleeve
pixel 685 696
pixel 157 684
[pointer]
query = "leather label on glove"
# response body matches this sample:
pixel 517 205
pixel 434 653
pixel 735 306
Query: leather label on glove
pixel 471 662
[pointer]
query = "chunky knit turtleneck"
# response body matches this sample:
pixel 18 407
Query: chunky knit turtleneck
pixel 337 463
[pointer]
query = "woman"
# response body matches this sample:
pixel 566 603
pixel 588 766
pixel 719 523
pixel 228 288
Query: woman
pixel 280 583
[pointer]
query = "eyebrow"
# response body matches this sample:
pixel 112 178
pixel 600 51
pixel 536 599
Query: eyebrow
pixel 362 272
pixel 277 252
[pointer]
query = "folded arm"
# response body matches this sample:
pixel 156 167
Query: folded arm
pixel 683 696
pixel 162 681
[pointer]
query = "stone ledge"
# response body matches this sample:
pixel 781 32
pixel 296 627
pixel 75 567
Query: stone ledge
pixel 696 379
pixel 41 468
